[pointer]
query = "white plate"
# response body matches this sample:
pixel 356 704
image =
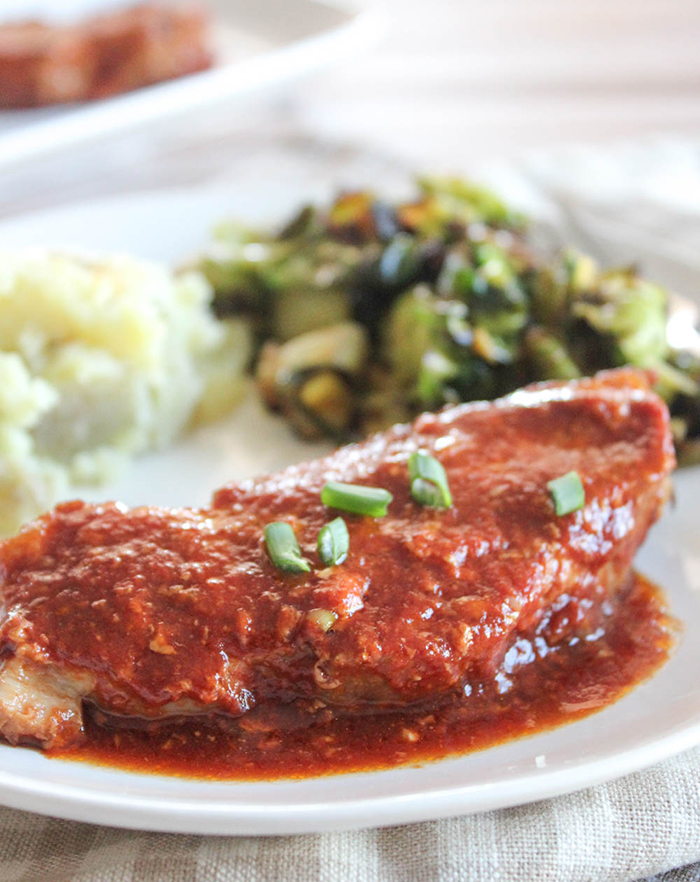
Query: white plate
pixel 660 718
pixel 258 45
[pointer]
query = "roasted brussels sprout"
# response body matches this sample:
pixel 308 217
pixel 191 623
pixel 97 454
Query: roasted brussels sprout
pixel 312 379
pixel 370 311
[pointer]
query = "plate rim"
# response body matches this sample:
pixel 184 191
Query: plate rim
pixel 238 818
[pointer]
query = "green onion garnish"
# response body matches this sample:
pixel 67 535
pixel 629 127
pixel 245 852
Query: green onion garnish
pixel 567 493
pixel 428 481
pixel 356 498
pixel 334 543
pixel 283 548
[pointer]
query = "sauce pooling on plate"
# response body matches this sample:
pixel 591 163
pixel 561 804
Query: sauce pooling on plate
pixel 402 599
pixel 540 686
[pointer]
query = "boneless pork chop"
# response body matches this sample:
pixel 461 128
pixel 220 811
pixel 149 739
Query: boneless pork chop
pixel 153 613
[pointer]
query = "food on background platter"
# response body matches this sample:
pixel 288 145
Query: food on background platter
pixel 106 55
pixel 101 360
pixel 468 573
pixel 373 312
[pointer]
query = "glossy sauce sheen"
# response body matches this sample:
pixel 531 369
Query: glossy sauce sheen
pixel 454 628
pixel 546 687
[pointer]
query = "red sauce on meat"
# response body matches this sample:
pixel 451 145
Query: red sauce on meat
pixel 548 687
pixel 453 628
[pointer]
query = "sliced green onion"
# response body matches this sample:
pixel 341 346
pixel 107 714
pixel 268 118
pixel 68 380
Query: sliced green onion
pixel 334 543
pixel 283 548
pixel 356 498
pixel 428 481
pixel 567 493
pixel 324 618
pixel 427 494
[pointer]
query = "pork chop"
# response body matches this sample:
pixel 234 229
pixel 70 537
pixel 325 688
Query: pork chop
pixel 105 55
pixel 152 612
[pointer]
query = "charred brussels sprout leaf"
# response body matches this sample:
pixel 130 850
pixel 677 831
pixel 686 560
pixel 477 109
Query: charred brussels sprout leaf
pixel 370 311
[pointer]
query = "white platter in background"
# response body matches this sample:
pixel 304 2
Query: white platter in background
pixel 654 721
pixel 258 45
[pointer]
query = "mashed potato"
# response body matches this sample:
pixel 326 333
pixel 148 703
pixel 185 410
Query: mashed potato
pixel 100 361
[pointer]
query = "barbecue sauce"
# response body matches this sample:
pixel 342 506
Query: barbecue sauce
pixel 537 687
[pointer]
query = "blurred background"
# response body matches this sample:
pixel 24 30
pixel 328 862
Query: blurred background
pixel 440 85
pixel 452 82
